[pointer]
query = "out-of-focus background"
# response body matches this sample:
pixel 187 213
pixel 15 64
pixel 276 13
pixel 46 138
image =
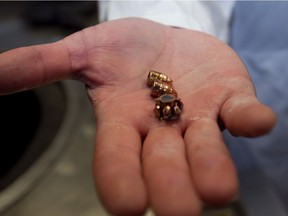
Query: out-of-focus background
pixel 47 134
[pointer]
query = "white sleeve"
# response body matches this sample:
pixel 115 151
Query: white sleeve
pixel 207 16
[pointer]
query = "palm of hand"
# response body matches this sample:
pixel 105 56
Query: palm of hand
pixel 206 73
pixel 139 160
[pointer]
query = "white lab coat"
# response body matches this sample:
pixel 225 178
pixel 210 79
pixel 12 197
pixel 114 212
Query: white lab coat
pixel 207 16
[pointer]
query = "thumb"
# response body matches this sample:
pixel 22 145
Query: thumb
pixel 29 67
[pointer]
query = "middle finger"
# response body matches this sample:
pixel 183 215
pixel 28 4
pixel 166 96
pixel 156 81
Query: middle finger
pixel 167 175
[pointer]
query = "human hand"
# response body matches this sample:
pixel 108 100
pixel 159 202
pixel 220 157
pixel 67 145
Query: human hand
pixel 139 160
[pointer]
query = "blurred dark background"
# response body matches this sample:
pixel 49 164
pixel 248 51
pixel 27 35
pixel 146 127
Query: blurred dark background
pixel 25 23
pixel 46 134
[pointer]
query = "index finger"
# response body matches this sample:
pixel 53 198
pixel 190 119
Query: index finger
pixel 117 169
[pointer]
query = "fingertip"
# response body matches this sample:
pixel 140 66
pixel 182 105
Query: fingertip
pixel 121 194
pixel 221 195
pixel 262 118
pixel 216 179
pixel 126 206
pixel 249 120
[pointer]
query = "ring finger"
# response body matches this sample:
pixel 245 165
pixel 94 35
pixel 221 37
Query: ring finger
pixel 212 169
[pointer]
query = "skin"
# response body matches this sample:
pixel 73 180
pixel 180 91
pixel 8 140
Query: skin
pixel 174 167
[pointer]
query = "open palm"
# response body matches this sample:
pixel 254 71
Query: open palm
pixel 139 161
